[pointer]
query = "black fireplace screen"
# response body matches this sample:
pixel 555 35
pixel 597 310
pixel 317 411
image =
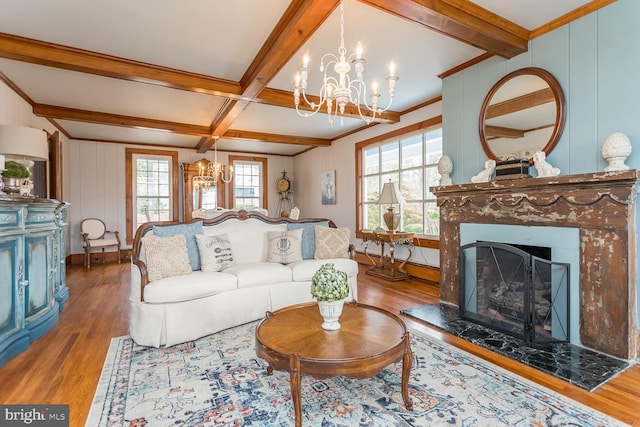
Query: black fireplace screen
pixel 515 290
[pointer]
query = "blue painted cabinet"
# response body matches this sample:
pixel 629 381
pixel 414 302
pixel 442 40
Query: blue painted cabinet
pixel 32 278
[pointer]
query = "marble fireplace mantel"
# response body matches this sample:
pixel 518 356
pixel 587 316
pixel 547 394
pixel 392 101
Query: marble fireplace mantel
pixel 603 206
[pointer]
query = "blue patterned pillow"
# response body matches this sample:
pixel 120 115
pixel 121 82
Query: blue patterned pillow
pixel 308 236
pixel 189 231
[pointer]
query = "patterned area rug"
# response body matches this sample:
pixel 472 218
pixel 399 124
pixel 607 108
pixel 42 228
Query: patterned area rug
pixel 219 381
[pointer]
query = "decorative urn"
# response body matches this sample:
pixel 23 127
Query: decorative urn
pixel 330 287
pixel 615 150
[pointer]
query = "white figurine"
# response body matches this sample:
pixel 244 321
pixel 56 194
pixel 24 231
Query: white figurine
pixel 543 167
pixel 486 174
pixel 445 167
pixel 615 150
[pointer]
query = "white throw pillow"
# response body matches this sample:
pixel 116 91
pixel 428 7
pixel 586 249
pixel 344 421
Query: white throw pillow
pixel 332 242
pixel 166 256
pixel 285 246
pixel 215 252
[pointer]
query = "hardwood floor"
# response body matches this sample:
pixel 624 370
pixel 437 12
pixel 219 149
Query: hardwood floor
pixel 63 367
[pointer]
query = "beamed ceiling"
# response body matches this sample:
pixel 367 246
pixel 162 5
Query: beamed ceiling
pixel 186 74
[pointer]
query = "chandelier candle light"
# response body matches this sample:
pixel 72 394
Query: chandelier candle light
pixel 342 89
pixel 210 173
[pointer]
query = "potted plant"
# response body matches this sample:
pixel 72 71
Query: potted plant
pixel 330 287
pixel 12 175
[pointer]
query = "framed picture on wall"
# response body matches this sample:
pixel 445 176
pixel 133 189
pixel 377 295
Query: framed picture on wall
pixel 329 187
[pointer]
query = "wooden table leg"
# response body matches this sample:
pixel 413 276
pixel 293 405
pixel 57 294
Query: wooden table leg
pixel 366 252
pixel 401 266
pixel 407 361
pixel 296 390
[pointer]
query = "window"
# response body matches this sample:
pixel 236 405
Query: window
pixel 409 158
pixel 152 187
pixel 248 188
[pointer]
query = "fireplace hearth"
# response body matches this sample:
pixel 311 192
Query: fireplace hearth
pixel 509 289
pixel 576 365
pixel 601 207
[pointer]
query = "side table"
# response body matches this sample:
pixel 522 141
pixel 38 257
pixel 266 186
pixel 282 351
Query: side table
pixel 387 268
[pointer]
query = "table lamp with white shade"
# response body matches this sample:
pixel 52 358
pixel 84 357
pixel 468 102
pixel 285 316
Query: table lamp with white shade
pixel 23 145
pixel 391 196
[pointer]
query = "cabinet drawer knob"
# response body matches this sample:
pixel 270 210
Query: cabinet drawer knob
pixel 5 218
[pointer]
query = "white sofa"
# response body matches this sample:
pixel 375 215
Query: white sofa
pixel 182 308
pixel 212 213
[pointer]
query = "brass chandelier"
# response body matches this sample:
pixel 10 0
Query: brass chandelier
pixel 209 174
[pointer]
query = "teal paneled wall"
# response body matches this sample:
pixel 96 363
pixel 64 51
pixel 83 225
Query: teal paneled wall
pixel 596 59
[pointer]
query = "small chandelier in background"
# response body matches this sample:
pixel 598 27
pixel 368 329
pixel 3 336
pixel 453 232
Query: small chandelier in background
pixel 209 173
pixel 341 89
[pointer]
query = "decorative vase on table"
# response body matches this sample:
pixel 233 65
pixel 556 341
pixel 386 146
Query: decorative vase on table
pixel 330 312
pixel 330 287
pixel 11 184
pixel 13 175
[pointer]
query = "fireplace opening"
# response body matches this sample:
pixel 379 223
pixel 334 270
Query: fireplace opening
pixel 515 289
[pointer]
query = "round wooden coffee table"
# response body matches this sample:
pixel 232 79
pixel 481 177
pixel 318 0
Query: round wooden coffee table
pixel 370 338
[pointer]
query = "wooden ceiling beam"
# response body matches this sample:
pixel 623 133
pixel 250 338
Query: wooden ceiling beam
pixel 301 19
pixel 524 102
pixel 464 21
pixel 502 132
pixel 278 139
pixel 69 58
pixel 64 113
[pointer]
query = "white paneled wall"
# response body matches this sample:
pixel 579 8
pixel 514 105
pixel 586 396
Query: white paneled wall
pixel 95 173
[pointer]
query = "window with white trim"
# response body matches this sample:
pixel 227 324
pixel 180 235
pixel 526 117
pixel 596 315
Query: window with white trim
pixel 412 161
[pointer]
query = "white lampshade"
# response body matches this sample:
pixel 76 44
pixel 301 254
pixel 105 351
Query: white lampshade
pixel 1 162
pixel 22 142
pixel 390 194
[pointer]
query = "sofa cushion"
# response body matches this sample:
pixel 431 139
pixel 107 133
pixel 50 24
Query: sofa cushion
pixel 285 246
pixel 303 271
pixel 260 273
pixel 166 256
pixel 332 242
pixel 198 285
pixel 308 236
pixel 189 231
pixel 215 252
pixel 248 238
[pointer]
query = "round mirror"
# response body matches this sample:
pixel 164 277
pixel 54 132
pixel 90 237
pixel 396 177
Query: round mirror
pixel 524 112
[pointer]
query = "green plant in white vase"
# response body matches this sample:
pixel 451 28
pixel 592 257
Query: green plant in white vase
pixel 12 175
pixel 330 287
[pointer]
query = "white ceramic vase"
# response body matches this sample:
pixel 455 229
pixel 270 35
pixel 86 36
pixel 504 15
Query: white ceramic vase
pixel 330 312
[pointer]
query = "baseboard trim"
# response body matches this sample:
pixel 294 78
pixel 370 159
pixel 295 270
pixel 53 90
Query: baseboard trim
pixel 96 258
pixel 419 271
